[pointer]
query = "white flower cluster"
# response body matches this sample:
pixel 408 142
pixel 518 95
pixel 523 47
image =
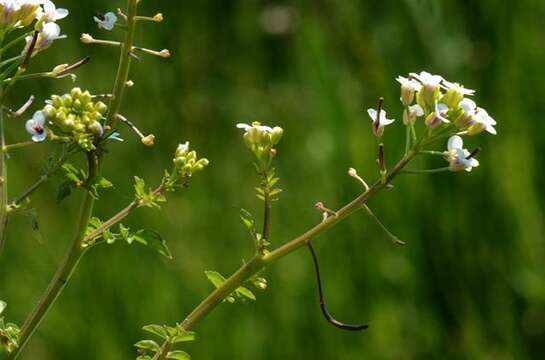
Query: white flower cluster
pixel 446 109
pixel 16 14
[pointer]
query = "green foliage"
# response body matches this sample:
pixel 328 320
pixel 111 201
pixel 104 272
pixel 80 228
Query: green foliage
pixel 241 293
pixel 9 332
pixel 171 334
pixel 144 237
pixel 77 178
pixel 147 197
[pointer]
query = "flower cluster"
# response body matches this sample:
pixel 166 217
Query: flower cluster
pixel 187 162
pixel 75 115
pixel 15 14
pixel 447 111
pixel 261 140
pixel 442 102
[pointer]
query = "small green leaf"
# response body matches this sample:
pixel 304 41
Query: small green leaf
pixel 143 357
pixel 139 187
pixel 245 292
pixel 178 355
pixel 157 330
pixel 154 240
pixel 215 278
pixel 247 219
pixel 184 337
pixel 124 232
pixel 65 189
pixel 105 183
pixel 3 306
pixel 147 345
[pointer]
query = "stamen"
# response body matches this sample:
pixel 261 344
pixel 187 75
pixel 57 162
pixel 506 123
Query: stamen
pixel 473 153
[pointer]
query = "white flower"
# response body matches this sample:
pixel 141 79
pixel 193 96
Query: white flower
pixel 427 79
pixel 50 32
pixel 438 116
pixel 476 119
pixel 107 21
pixel 183 148
pixel 247 127
pixel 484 121
pixel 51 13
pixel 408 88
pixel 458 157
pixel 412 112
pixel 447 85
pixel 378 126
pixel 35 127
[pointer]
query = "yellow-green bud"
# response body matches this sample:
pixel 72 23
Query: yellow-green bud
pixel 148 140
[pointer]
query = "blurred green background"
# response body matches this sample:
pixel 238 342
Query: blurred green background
pixel 470 283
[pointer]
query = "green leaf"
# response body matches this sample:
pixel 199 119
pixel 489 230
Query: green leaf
pixel 104 183
pixel 124 232
pixel 139 187
pixel 184 337
pixel 157 330
pixel 245 292
pixel 65 189
pixel 178 355
pixel 248 220
pixel 3 306
pixel 154 240
pixel 147 345
pixel 215 278
pixel 143 357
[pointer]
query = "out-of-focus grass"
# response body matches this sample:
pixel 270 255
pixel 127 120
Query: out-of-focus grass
pixel 470 282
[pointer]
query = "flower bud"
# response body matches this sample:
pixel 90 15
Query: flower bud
pixel 148 140
pixel 276 135
pixel 87 39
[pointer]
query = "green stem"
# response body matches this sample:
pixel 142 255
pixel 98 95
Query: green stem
pixel 3 182
pixel 407 138
pixel 15 41
pixel 11 147
pixel 431 152
pixel 426 171
pixel 258 262
pixel 28 77
pixel 64 272
pixel 124 66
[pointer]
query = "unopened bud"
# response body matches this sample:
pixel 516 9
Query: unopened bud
pixel 86 38
pixel 148 140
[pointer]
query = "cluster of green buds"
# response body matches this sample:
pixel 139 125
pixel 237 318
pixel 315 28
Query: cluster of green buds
pixel 261 140
pixel 186 162
pixel 78 116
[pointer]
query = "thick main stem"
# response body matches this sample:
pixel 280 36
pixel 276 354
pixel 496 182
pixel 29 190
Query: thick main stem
pixel 75 252
pixel 257 263
pixel 64 272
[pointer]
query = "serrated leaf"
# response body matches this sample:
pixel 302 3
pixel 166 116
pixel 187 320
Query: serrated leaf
pixel 215 278
pixel 245 292
pixel 147 345
pixel 154 240
pixel 157 330
pixel 178 355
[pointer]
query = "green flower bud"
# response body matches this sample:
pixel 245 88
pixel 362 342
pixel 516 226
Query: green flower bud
pixel 101 107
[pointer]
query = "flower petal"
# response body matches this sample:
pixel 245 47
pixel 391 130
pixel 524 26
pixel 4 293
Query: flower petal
pixel 455 142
